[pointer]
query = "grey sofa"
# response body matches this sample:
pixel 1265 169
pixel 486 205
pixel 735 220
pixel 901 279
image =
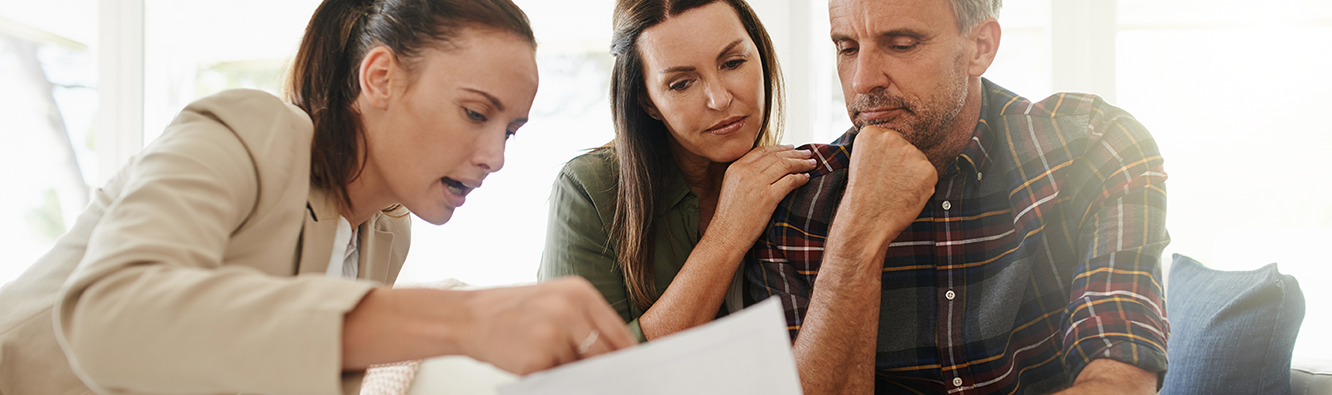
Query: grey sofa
pixel 1311 376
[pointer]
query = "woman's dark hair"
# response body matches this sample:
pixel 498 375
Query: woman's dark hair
pixel 642 143
pixel 325 80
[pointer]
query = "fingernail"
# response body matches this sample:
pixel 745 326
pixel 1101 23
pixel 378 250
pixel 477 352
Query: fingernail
pixel 791 146
pixel 813 162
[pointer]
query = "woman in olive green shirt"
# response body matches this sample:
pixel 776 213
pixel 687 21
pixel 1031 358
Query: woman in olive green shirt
pixel 660 220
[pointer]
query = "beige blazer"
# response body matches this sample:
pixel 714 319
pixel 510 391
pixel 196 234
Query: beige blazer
pixel 199 268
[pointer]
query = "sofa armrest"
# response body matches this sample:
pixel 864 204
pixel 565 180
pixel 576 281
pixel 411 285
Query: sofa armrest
pixel 1310 376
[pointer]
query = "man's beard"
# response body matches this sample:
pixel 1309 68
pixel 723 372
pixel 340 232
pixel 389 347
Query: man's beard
pixel 933 116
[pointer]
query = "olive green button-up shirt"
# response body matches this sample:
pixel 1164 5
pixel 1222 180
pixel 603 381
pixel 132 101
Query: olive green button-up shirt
pixel 578 238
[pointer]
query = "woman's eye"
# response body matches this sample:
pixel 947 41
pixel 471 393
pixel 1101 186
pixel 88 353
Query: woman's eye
pixel 508 134
pixel 475 116
pixel 680 85
pixel 733 64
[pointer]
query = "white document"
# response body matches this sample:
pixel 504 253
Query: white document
pixel 748 352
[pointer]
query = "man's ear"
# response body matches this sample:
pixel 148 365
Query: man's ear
pixel 985 38
pixel 378 73
pixel 646 103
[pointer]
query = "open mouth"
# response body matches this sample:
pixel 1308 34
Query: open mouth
pixel 456 187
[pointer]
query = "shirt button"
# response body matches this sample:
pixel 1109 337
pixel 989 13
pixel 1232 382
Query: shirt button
pixel 950 295
pixel 957 381
pixel 980 176
pixel 947 205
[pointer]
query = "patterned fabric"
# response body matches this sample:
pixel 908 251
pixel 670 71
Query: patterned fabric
pixel 1038 253
pixel 390 379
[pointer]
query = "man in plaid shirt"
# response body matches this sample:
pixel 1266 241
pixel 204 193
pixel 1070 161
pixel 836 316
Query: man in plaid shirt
pixel 962 239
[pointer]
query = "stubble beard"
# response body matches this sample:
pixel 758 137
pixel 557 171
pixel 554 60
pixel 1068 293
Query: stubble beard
pixel 933 117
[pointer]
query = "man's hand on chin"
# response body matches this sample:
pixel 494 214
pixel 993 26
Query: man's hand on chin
pixel 1107 376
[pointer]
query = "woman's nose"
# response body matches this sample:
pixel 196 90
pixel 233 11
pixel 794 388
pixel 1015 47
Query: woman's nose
pixel 489 155
pixel 719 98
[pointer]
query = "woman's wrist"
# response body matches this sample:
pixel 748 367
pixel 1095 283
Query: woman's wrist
pixel 393 325
pixel 438 321
pixel 725 243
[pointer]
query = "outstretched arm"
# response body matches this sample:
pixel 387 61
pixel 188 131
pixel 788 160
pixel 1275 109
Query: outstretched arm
pixel 518 329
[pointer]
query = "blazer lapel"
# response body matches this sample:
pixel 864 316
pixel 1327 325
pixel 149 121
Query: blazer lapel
pixel 376 248
pixel 321 225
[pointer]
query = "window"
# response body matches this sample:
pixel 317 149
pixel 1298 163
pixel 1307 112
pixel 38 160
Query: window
pixel 1023 64
pixel 498 236
pixel 1235 95
pixel 46 118
pixel 193 49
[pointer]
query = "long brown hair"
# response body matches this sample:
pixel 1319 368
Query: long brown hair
pixel 325 80
pixel 641 143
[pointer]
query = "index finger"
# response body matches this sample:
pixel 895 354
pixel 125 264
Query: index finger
pixel 878 131
pixel 873 128
pixel 764 151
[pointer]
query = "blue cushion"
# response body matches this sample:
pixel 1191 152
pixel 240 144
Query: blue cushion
pixel 1231 332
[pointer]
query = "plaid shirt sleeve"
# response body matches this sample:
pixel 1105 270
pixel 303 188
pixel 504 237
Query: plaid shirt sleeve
pixel 787 256
pixel 1116 309
pixel 771 275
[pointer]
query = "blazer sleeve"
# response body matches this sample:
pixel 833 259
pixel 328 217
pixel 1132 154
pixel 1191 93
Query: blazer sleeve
pixel 153 308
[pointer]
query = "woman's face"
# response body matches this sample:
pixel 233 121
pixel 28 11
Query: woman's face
pixel 442 130
pixel 704 79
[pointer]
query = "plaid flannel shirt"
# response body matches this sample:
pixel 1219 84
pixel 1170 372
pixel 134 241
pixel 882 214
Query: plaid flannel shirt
pixel 1038 253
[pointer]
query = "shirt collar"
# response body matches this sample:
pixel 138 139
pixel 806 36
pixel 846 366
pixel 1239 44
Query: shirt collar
pixel 674 189
pixel 975 158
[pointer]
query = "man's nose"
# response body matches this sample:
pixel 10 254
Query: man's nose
pixel 871 72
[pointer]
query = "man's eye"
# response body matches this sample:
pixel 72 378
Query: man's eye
pixel 903 44
pixel 475 116
pixel 847 50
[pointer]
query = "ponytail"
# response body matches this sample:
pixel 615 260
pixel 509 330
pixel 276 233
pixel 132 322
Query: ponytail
pixel 325 76
pixel 324 83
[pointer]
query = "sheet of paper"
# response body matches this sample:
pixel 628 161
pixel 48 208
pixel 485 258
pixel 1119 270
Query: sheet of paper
pixel 748 352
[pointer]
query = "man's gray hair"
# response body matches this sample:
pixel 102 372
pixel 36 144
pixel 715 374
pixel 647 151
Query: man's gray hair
pixel 971 13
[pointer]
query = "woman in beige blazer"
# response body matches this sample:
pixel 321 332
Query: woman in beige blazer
pixel 247 249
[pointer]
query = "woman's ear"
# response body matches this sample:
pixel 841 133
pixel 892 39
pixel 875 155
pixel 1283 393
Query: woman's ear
pixel 378 72
pixel 646 103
